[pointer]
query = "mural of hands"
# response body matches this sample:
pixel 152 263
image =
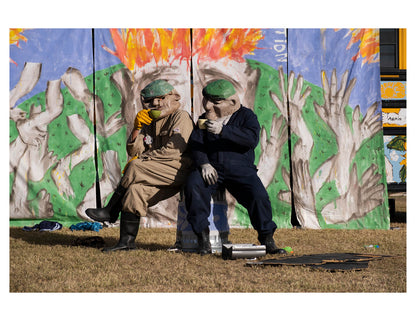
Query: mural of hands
pixel 271 149
pixel 366 128
pixel 360 199
pixel 294 112
pixel 335 101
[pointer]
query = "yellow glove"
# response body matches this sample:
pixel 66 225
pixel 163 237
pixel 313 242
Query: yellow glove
pixel 142 118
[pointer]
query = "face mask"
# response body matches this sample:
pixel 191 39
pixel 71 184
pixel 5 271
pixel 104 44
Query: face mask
pixel 167 104
pixel 220 108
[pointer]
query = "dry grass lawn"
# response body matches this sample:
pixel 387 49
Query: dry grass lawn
pixel 50 262
pixel 50 278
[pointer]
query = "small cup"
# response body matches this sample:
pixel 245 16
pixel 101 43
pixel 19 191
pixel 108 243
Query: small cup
pixel 154 113
pixel 201 123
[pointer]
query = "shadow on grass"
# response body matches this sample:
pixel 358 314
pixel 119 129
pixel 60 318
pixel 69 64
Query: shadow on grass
pixel 42 238
pixel 56 238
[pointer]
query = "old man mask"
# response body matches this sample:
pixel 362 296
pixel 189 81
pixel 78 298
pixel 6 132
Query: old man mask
pixel 162 96
pixel 220 99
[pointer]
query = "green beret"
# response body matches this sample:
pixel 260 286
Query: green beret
pixel 219 89
pixel 156 88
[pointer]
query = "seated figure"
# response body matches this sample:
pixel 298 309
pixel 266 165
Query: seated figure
pixel 159 161
pixel 223 153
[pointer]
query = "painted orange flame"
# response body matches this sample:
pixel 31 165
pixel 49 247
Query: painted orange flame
pixel 214 44
pixel 137 47
pixel 16 36
pixel 369 44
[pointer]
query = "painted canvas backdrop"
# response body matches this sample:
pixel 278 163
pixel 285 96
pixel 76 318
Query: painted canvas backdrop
pixel 51 127
pixel 336 128
pixel 107 68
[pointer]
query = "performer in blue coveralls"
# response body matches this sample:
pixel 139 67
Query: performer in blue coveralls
pixel 223 153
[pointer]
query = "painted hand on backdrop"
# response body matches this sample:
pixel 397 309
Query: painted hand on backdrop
pixel 271 149
pixel 60 173
pixel 334 115
pixel 32 143
pixel 356 199
pixel 333 110
pixel 360 199
pixel 367 128
pixel 296 104
pixel 28 79
pixel 304 196
pixel 302 185
pixel 77 86
pixel 349 139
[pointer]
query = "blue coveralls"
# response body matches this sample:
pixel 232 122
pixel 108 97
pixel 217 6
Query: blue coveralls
pixel 232 154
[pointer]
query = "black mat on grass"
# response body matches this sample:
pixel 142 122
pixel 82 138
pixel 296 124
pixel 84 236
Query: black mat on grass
pixel 326 261
pixel 343 266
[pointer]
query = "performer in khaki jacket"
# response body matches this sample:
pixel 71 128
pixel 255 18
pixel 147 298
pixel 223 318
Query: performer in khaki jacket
pixel 159 165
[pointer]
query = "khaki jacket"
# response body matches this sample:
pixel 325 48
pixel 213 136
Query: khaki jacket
pixel 158 168
pixel 168 140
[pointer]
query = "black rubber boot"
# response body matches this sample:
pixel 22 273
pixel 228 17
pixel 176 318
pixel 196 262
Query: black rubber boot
pixel 271 247
pixel 110 212
pixel 129 226
pixel 204 244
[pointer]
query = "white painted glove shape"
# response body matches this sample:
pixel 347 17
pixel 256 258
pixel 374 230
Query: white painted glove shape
pixel 214 127
pixel 209 174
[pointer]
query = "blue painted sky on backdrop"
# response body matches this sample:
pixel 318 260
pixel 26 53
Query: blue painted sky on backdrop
pixel 311 51
pixel 272 49
pixel 104 58
pixel 59 49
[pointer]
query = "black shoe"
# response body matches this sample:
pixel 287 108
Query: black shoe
pixel 204 243
pixel 110 212
pixel 99 214
pixel 224 238
pixel 271 247
pixel 129 227
pixel 178 244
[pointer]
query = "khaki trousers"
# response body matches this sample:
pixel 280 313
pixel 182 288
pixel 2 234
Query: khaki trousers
pixel 149 182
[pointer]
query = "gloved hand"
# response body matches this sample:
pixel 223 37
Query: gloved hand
pixel 209 174
pixel 142 118
pixel 214 127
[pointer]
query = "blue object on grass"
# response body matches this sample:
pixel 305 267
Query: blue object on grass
pixel 44 226
pixel 86 226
